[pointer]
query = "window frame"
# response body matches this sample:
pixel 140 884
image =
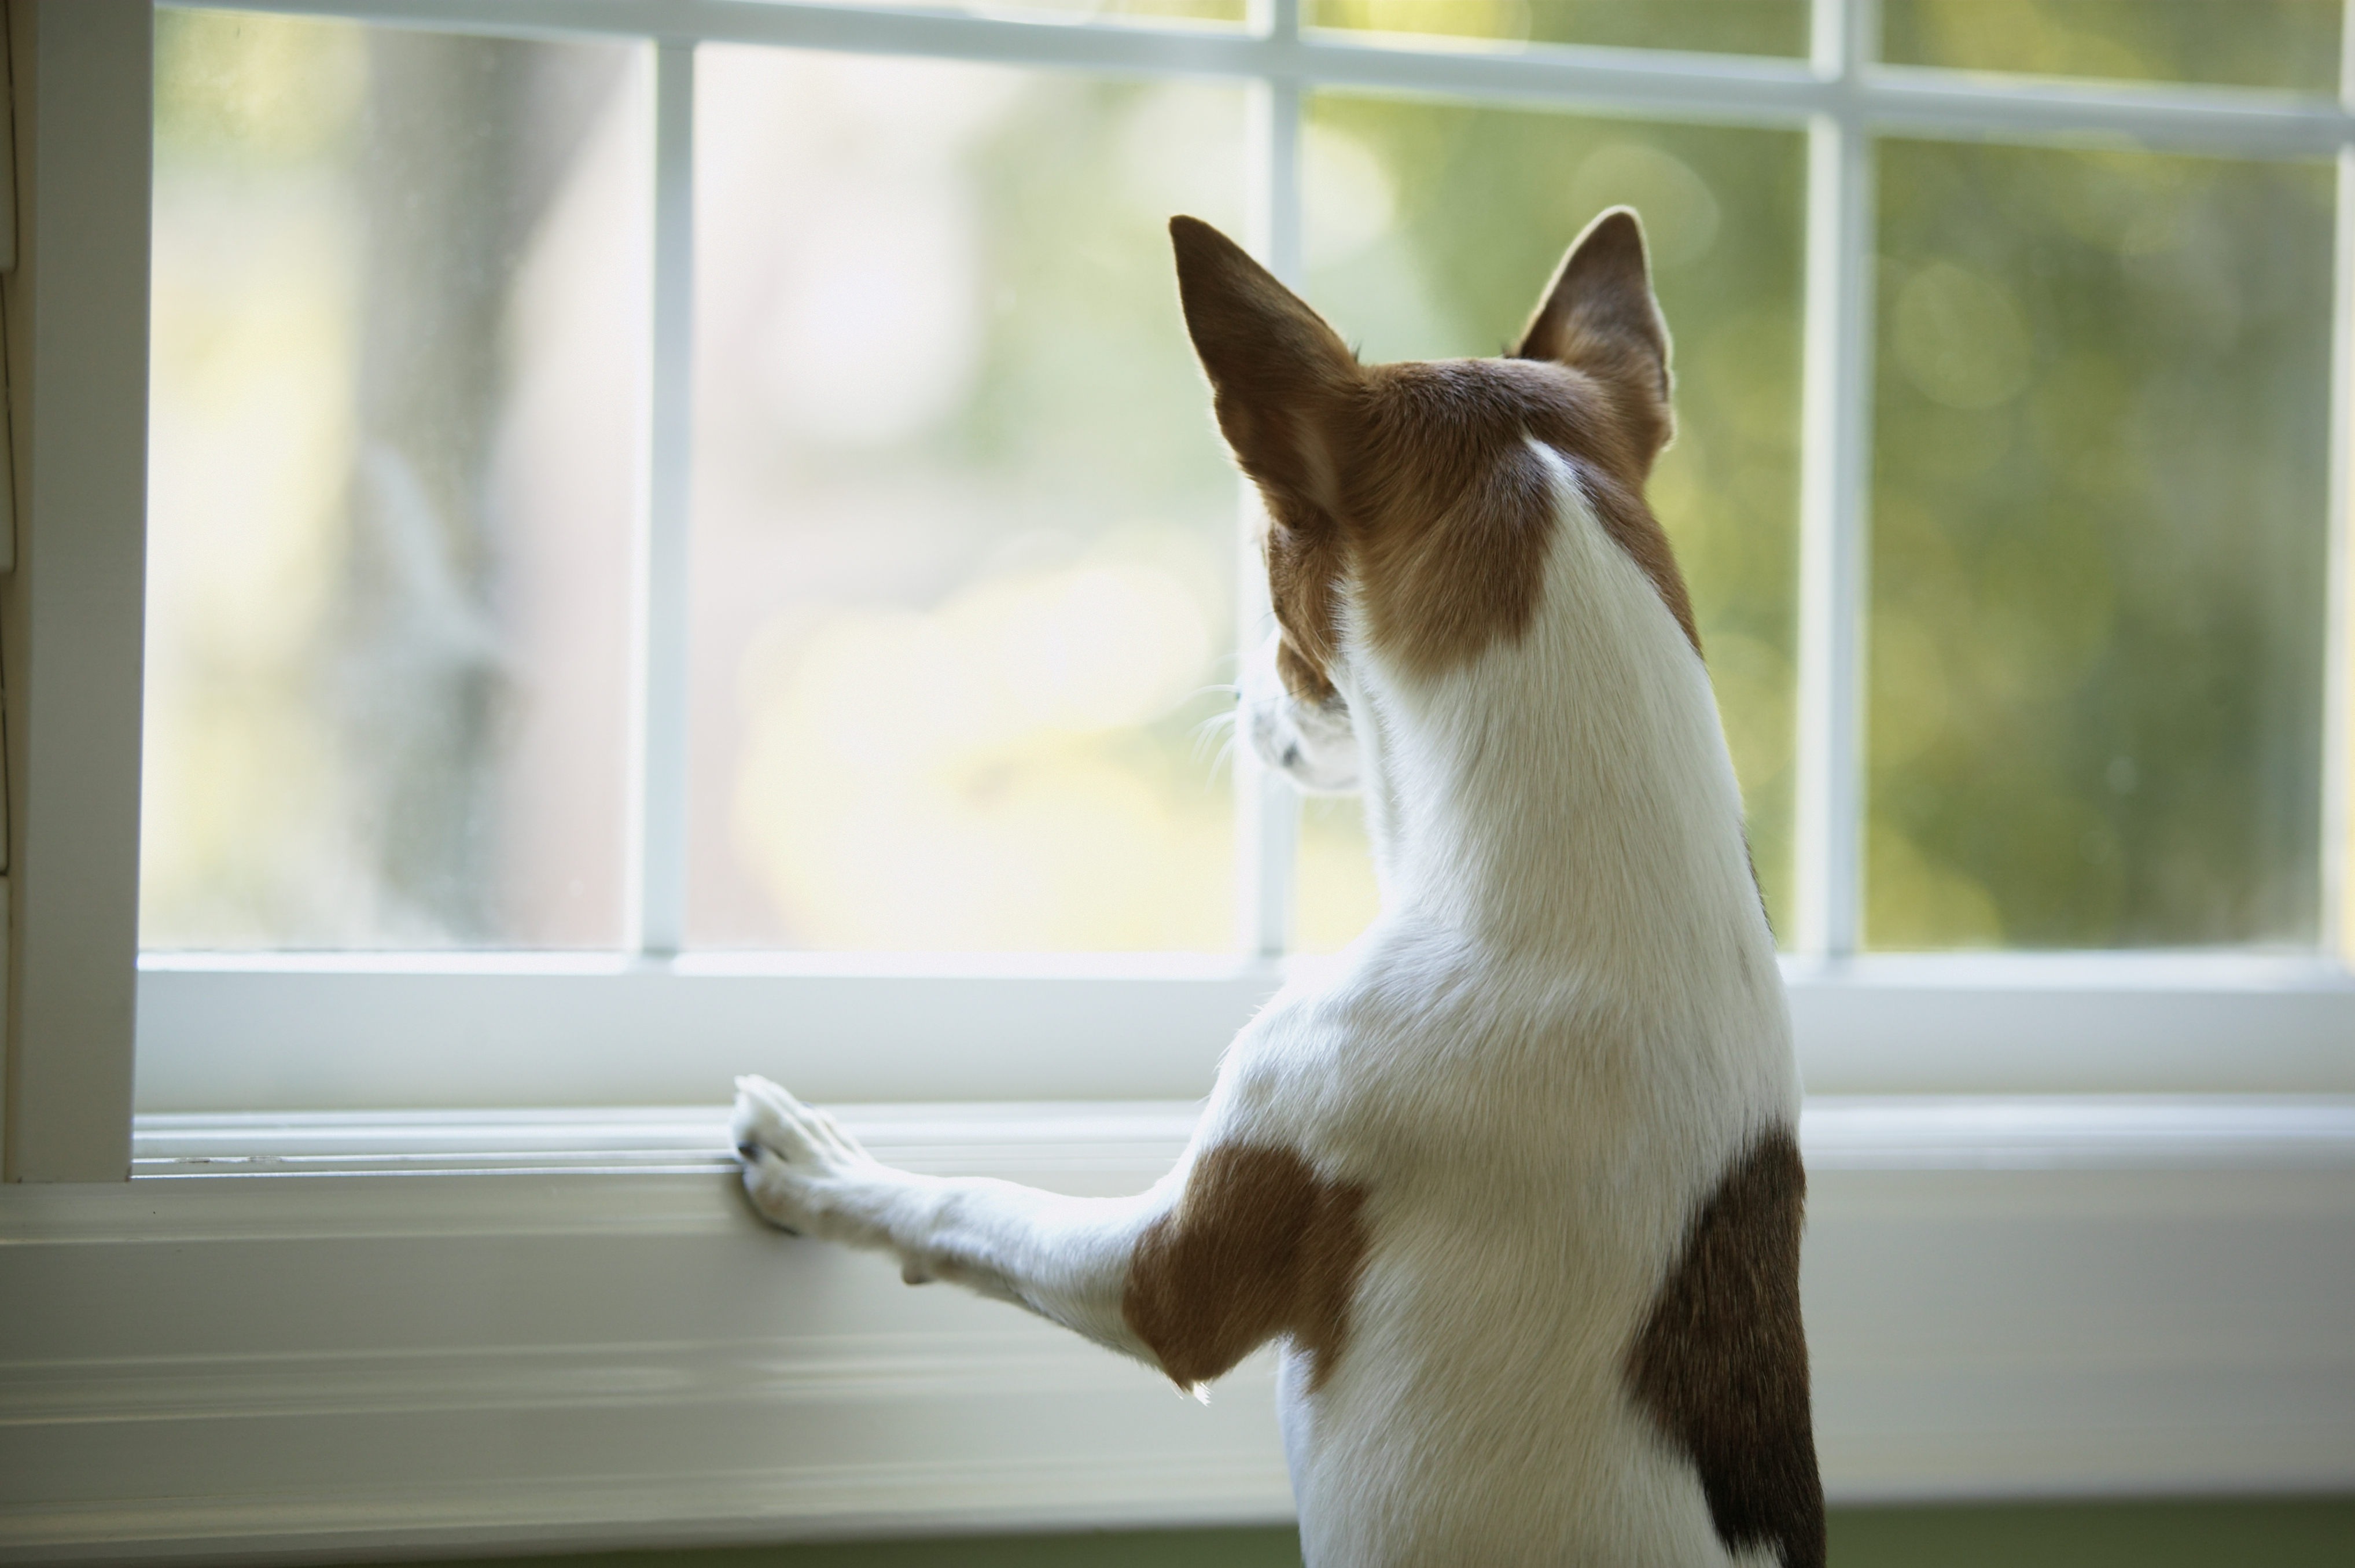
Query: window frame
pixel 72 300
pixel 213 1029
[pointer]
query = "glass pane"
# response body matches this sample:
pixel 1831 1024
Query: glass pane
pixel 399 318
pixel 965 537
pixel 1335 897
pixel 1720 27
pixel 1144 12
pixel 1431 230
pixel 2245 43
pixel 2098 548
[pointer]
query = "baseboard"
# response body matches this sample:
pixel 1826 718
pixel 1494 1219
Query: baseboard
pixel 424 1335
pixel 375 1520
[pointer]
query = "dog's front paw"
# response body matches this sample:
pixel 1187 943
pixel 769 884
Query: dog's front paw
pixel 797 1159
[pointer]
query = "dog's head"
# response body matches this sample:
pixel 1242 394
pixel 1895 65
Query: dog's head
pixel 1409 505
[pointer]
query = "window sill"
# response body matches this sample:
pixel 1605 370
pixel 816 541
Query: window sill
pixel 359 1032
pixel 1135 1141
pixel 574 1332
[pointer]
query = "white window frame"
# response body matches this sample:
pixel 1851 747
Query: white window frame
pixel 657 1025
pixel 72 598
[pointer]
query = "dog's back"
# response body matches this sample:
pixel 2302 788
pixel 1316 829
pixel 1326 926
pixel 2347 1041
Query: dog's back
pixel 1556 1077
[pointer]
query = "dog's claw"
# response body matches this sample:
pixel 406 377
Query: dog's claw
pixel 794 1157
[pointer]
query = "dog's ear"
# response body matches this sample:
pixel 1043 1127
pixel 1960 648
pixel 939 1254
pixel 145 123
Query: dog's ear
pixel 1599 315
pixel 1282 382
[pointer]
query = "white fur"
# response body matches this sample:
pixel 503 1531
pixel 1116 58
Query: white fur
pixel 1571 993
pixel 1314 744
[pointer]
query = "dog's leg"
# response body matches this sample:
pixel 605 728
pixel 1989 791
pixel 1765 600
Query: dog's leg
pixel 1066 1259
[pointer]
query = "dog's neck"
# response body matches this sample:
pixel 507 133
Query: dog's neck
pixel 1567 795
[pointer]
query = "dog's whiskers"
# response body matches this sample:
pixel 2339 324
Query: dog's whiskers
pixel 1220 726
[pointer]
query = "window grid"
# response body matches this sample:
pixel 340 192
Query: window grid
pixel 1835 471
pixel 1840 96
pixel 655 863
pixel 2337 882
pixel 1267 809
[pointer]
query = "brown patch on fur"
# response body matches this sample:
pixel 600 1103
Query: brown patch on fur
pixel 1452 513
pixel 1304 571
pixel 1628 519
pixel 1722 1361
pixel 1259 1245
pixel 1416 479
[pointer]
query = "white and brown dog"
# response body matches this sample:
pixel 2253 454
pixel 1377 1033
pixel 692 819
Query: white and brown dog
pixel 1518 1190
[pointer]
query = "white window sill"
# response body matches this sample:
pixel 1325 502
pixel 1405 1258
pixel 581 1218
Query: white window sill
pixel 574 1332
pixel 357 1031
pixel 1139 1139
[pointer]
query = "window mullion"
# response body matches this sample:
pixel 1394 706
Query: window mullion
pixel 2338 920
pixel 2338 915
pixel 1835 471
pixel 1279 200
pixel 660 826
pixel 1267 809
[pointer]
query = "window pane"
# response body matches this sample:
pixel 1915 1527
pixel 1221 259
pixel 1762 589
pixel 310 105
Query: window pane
pixel 2246 43
pixel 2098 548
pixel 1148 13
pixel 399 286
pixel 1336 897
pixel 1722 26
pixel 965 538
pixel 1431 230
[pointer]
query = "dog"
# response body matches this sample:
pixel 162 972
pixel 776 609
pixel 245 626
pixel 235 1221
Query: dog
pixel 1518 1188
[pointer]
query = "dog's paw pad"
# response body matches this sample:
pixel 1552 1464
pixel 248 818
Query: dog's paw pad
pixel 775 1188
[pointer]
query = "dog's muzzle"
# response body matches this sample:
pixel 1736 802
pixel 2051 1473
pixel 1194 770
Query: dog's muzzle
pixel 1314 744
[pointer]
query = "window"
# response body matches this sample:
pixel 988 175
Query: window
pixel 477 1362
pixel 717 540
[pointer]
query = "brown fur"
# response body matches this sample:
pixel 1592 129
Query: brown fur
pixel 1259 1245
pixel 1455 514
pixel 1414 480
pixel 1598 314
pixel 1721 1362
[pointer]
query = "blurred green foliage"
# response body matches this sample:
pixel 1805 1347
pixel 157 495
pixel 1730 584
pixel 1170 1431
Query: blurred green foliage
pixel 2098 548
pixel 1431 230
pixel 1724 27
pixel 1085 323
pixel 1147 11
pixel 2244 43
